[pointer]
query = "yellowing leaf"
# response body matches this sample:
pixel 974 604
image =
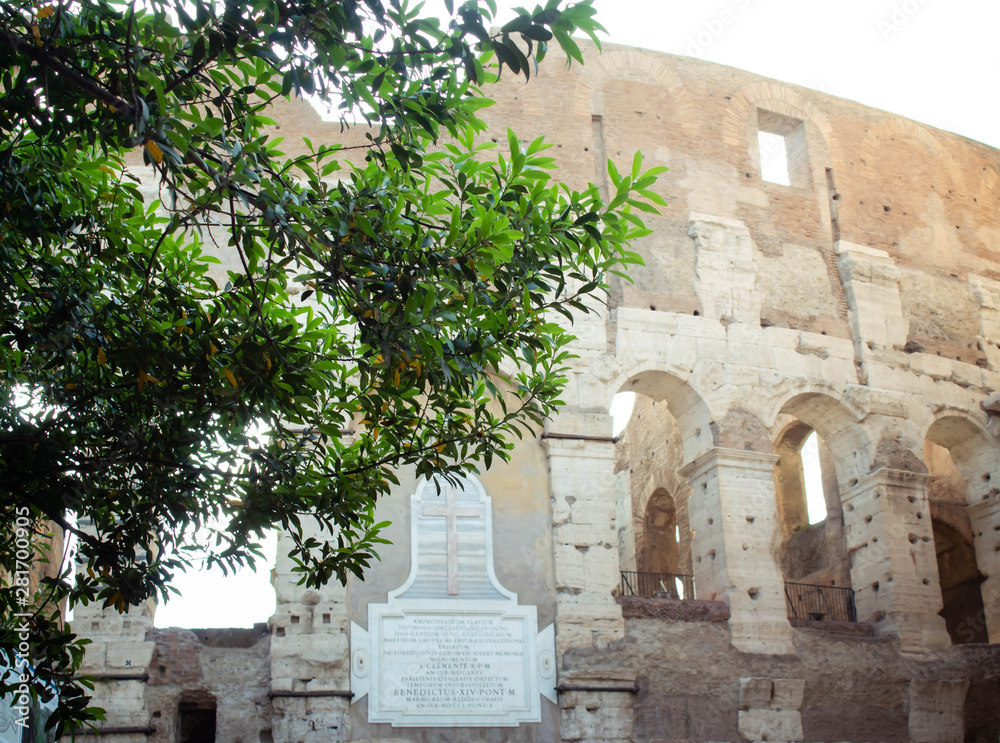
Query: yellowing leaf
pixel 395 379
pixel 230 377
pixel 439 448
pixel 375 433
pixel 101 357
pixel 46 11
pixel 70 386
pixel 154 150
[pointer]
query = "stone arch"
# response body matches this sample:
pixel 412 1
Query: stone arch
pixel 686 404
pixel 741 116
pixel 838 425
pixel 632 64
pixel 888 129
pixel 973 450
pixel 987 186
pixel 976 456
pixel 814 553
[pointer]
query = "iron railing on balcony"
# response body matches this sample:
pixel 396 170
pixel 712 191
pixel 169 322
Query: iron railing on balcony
pixel 829 603
pixel 671 585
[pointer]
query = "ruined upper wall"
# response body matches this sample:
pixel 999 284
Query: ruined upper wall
pixel 925 196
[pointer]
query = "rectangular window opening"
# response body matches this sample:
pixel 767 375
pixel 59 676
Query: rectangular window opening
pixel 784 155
pixel 773 158
pixel 196 723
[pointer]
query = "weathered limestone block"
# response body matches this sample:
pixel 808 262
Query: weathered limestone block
pixel 726 268
pixel 755 693
pixel 988 294
pixel 769 709
pixel 733 516
pixel 936 711
pixel 893 564
pixel 310 719
pixel 871 286
pixel 582 488
pixel 592 716
pixel 310 662
pixel 771 725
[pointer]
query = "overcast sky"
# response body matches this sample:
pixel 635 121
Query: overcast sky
pixel 932 61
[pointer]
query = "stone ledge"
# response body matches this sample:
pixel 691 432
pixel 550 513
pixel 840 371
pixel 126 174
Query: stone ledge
pixel 635 607
pixel 860 629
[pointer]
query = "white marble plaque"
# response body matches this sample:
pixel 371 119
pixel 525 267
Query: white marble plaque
pixel 452 647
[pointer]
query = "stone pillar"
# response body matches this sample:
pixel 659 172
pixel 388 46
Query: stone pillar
pixel 584 541
pixel 309 654
pixel 585 547
pixel 735 533
pixel 985 519
pixel 894 571
pixel 119 657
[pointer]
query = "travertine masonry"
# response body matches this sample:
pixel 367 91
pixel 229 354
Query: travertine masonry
pixel 860 304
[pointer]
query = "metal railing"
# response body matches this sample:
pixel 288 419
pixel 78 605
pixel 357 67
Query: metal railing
pixel 829 603
pixel 646 585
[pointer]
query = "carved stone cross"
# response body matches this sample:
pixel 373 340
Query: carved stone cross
pixel 451 510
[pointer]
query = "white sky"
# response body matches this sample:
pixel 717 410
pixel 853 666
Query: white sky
pixel 932 61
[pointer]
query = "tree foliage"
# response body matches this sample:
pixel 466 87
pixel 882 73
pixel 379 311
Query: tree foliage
pixel 148 397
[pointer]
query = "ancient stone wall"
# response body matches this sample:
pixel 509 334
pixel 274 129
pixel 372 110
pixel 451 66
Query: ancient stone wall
pixel 860 302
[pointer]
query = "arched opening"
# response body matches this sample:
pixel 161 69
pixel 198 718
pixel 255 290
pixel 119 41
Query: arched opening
pixel 813 549
pixel 659 419
pixel 963 611
pixel 815 560
pixel 659 553
pixel 963 460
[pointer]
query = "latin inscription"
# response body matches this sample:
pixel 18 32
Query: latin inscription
pixel 448 663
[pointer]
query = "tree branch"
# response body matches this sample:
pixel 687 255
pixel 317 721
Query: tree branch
pixel 51 62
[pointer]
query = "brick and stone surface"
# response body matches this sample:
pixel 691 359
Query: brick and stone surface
pixel 861 303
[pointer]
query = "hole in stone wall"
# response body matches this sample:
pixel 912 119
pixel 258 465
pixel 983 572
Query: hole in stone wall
pixel 813 548
pixel 196 717
pixel 773 158
pixel 962 599
pixel 784 157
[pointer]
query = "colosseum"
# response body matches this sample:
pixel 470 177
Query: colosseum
pixel 832 328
